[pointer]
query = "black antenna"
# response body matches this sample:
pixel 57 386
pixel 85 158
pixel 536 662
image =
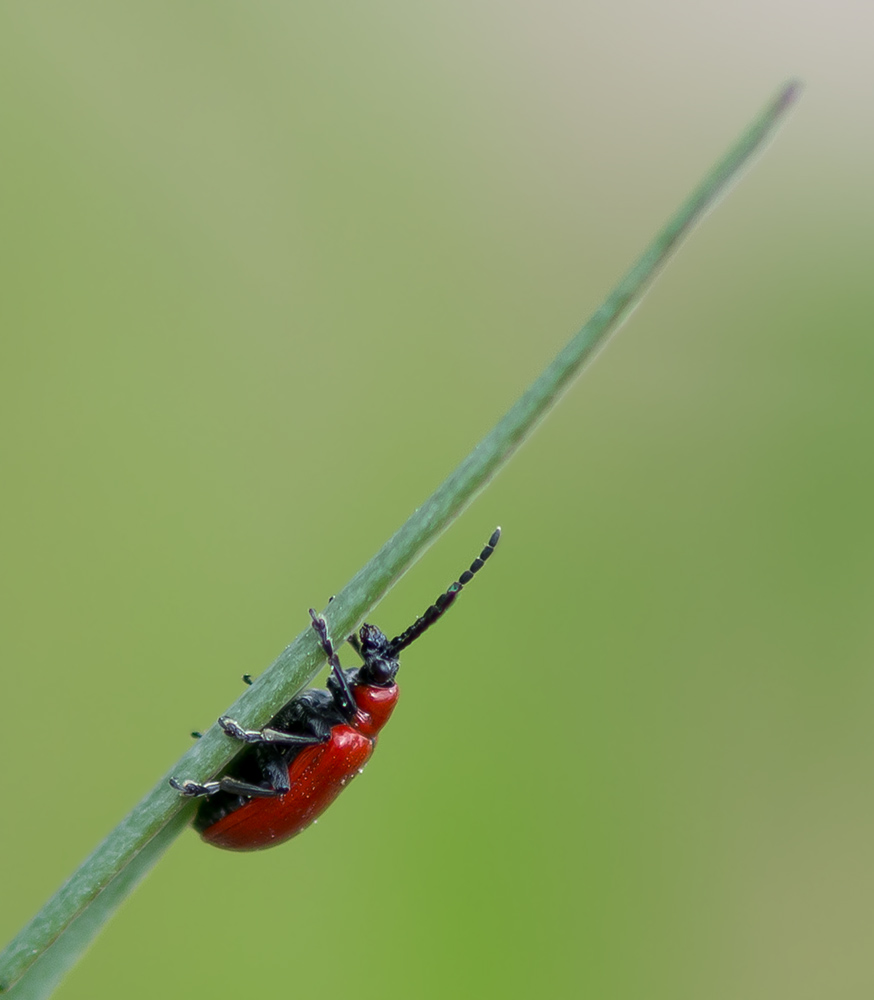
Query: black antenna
pixel 445 601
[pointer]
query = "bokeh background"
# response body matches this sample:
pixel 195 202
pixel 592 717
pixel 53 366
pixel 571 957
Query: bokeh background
pixel 269 271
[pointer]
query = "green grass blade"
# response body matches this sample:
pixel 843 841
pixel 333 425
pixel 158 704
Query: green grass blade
pixel 36 959
pixel 52 965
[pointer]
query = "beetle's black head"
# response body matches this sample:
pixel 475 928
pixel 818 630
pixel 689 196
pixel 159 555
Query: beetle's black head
pixel 380 661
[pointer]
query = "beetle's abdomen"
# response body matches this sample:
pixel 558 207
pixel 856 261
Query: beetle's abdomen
pixel 317 775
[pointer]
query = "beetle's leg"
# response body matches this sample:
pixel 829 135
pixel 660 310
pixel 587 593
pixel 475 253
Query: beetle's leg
pixel 274 767
pixel 353 639
pixel 274 737
pixel 232 785
pixel 341 689
pixel 321 630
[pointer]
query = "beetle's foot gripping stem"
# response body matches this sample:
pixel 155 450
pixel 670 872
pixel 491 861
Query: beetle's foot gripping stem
pixel 321 629
pixel 192 788
pixel 236 731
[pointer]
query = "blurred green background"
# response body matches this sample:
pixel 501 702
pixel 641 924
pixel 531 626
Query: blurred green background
pixel 269 271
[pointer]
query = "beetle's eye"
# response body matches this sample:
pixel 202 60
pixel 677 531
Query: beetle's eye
pixel 384 670
pixel 380 670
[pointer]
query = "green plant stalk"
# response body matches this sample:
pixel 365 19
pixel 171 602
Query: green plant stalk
pixel 64 927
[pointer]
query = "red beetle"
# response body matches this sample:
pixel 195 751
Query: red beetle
pixel 296 766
